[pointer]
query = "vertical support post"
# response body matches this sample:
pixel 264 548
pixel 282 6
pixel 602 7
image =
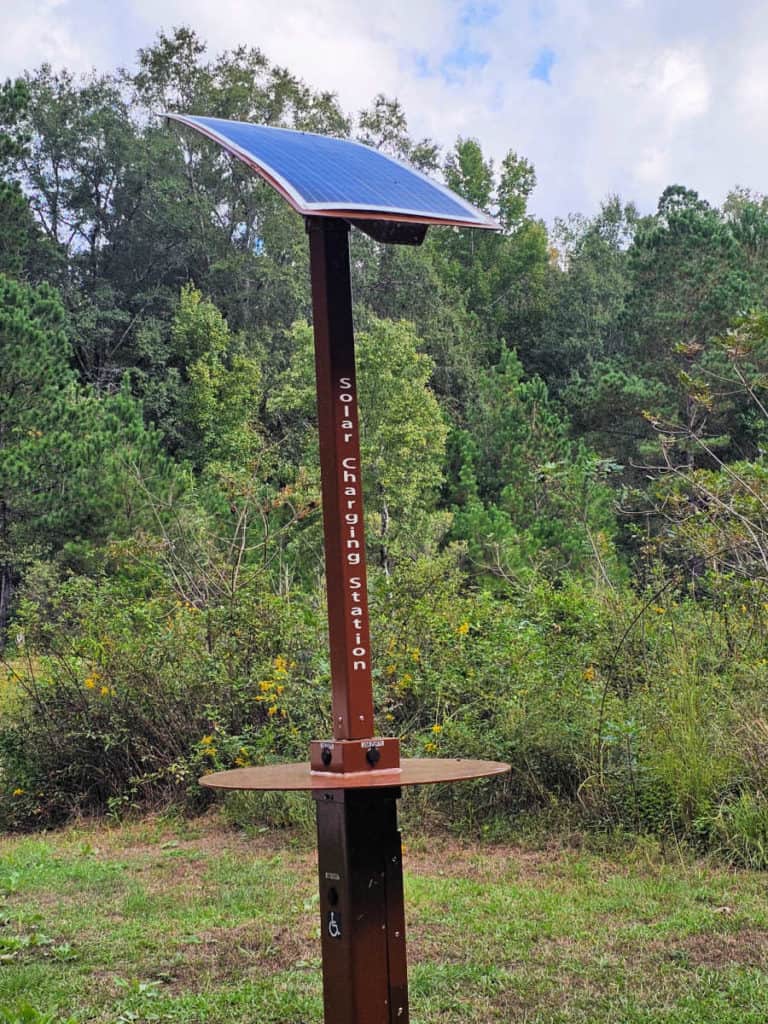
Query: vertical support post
pixel 341 479
pixel 359 850
pixel 361 906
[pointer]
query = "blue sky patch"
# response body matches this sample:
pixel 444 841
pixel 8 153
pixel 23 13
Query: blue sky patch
pixel 463 58
pixel 421 63
pixel 542 66
pixel 538 11
pixel 476 15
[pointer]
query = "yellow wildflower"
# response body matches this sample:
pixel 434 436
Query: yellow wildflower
pixel 437 728
pixel 206 741
pixel 18 791
pixel 659 610
pixel 89 683
pixel 272 710
pixel 281 664
pixel 430 747
pixel 105 691
pixel 266 684
pixel 589 673
pixel 463 629
pixel 416 655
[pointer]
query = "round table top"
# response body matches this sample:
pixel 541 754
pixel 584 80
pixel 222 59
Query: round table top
pixel 414 771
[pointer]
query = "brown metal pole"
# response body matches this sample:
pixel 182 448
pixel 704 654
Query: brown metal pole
pixel 341 479
pixel 359 857
pixel 361 907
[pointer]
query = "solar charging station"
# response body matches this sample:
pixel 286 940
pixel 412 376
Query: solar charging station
pixel 355 777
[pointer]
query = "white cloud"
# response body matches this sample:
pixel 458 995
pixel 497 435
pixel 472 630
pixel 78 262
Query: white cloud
pixel 652 166
pixel 680 85
pixel 642 93
pixel 36 33
pixel 752 82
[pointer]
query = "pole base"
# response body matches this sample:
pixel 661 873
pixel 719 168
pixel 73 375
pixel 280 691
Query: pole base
pixel 365 978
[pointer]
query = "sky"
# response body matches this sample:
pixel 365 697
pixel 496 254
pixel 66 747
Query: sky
pixel 602 96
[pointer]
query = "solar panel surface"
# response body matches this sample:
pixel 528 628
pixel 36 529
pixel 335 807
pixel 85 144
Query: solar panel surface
pixel 325 176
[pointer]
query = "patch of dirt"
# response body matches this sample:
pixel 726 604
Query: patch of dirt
pixel 717 950
pixel 428 943
pixel 208 835
pixel 220 954
pixel 452 858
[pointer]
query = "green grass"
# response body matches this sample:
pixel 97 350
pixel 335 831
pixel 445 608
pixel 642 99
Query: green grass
pixel 176 922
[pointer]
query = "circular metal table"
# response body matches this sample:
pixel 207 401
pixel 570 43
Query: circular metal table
pixel 413 771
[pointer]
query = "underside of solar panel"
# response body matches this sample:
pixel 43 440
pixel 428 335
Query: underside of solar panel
pixel 323 176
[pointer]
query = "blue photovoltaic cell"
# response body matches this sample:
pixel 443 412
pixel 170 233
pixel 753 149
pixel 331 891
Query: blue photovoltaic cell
pixel 320 173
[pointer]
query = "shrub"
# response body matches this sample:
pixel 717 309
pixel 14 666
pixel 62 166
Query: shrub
pixel 644 711
pixel 740 829
pixel 129 699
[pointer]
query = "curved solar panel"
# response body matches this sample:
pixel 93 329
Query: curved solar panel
pixel 325 176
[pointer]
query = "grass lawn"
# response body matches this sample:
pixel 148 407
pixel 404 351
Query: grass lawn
pixel 191 922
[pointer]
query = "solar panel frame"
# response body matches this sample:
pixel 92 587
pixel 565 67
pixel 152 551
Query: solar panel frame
pixel 351 210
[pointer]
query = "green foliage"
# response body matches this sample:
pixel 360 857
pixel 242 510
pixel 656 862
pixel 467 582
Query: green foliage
pixel 219 393
pixel 501 276
pixel 740 828
pixel 632 708
pixel 25 1013
pixel 539 496
pixel 23 254
pixel 67 456
pixel 402 428
pixel 130 698
pixel 384 125
pixel 587 286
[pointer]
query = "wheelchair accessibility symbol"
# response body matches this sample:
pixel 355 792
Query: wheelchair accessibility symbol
pixel 334 924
